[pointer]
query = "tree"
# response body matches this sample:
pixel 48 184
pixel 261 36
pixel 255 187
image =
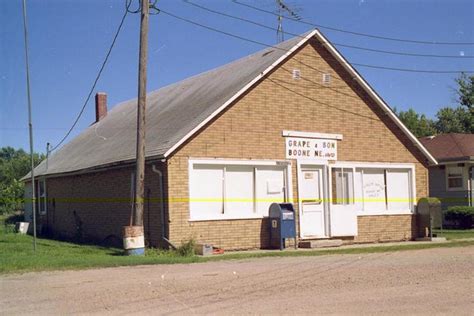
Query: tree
pixel 466 91
pixel 454 120
pixel 14 164
pixel 458 119
pixel 419 125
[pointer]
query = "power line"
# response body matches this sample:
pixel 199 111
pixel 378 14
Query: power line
pixel 334 43
pixel 279 48
pixel 127 6
pixel 356 33
pixel 282 84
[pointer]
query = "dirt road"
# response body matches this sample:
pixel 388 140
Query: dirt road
pixel 432 281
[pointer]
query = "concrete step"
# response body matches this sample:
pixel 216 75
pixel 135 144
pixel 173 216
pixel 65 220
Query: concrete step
pixel 321 243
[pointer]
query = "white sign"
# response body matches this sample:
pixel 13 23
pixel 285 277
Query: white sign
pixel 311 148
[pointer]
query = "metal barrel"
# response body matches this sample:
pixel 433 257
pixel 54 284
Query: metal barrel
pixel 133 240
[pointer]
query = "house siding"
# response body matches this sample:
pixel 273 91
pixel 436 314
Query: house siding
pixel 438 188
pixel 252 129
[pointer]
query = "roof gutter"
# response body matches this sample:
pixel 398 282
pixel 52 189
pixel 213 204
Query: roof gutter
pixel 465 159
pixel 101 168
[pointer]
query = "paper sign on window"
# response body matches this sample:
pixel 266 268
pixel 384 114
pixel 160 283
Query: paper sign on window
pixel 273 187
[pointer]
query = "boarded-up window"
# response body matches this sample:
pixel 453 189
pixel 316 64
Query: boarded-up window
pixel 398 190
pixel 206 191
pixel 239 190
pixel 270 187
pixel 234 191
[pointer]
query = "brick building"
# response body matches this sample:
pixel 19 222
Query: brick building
pixel 294 122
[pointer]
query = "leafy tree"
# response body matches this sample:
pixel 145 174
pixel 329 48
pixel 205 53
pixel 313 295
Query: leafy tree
pixel 454 120
pixel 466 91
pixel 419 125
pixel 14 164
pixel 458 119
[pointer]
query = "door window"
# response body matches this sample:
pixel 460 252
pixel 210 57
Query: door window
pixel 342 186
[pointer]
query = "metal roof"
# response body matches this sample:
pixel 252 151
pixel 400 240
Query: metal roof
pixel 172 113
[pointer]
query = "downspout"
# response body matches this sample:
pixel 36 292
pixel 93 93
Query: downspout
pixel 162 206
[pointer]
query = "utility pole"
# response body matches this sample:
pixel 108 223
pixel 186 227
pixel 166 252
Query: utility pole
pixel 141 108
pixel 30 127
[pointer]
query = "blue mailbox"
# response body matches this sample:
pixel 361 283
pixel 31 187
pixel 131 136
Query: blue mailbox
pixel 282 223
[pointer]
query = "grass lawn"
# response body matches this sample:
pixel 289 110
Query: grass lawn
pixel 452 234
pixel 17 256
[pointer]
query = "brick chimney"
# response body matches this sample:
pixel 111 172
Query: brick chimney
pixel 100 106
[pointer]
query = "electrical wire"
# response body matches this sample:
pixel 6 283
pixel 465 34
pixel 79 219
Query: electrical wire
pixel 355 33
pixel 279 48
pixel 128 3
pixel 283 84
pixel 334 43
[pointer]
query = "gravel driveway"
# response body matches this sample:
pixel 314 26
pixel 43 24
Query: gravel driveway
pixel 430 281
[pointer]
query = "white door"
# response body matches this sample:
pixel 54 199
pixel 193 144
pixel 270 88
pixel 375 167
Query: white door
pixel 311 195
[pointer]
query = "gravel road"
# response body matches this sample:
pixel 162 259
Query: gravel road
pixel 431 281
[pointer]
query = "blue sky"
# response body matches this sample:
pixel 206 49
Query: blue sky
pixel 69 38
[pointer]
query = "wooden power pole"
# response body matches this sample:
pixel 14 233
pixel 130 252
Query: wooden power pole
pixel 30 127
pixel 141 107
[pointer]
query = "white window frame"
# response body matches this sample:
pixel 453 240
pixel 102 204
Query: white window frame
pixel 351 200
pixel 385 166
pixel 44 210
pixel 288 191
pixel 463 178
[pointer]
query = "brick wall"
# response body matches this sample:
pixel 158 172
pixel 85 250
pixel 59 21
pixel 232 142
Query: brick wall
pixel 95 206
pixel 252 127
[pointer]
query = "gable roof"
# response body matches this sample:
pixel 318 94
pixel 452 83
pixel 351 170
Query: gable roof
pixel 178 111
pixel 450 147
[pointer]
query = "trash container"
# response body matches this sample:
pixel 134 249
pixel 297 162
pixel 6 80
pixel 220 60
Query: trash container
pixel 282 224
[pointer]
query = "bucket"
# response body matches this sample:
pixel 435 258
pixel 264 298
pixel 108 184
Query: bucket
pixel 133 240
pixel 22 227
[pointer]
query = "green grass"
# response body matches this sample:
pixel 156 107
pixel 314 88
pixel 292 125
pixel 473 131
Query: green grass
pixel 17 256
pixel 453 234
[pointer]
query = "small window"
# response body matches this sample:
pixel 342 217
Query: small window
pixel 454 178
pixel 41 199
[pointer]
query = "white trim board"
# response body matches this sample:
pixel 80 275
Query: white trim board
pixel 311 135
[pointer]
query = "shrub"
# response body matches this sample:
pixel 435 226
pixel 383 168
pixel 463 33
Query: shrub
pixel 186 249
pixel 460 216
pixel 11 197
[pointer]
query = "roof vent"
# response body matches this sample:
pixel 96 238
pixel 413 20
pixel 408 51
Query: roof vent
pixel 296 74
pixel 326 78
pixel 267 53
